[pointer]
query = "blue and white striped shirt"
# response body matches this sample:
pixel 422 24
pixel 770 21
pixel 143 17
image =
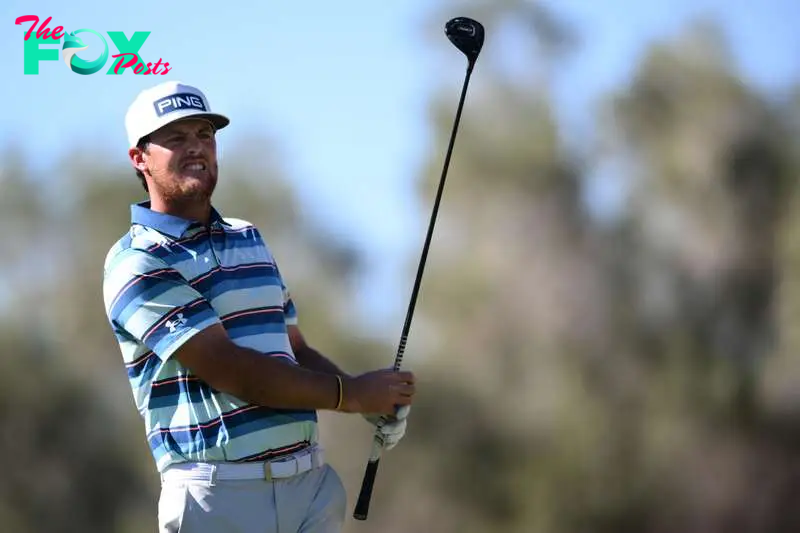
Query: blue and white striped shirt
pixel 166 280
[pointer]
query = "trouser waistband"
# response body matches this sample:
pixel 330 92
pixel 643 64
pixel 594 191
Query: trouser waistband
pixel 279 468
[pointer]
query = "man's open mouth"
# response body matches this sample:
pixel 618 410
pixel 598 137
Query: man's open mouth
pixel 194 165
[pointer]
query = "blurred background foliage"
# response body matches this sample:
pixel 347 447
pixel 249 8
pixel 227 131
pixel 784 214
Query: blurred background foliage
pixel 627 373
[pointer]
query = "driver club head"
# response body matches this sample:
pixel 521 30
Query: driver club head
pixel 467 35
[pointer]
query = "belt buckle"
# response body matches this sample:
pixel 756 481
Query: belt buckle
pixel 289 458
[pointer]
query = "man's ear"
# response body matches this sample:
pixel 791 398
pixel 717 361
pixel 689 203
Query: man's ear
pixel 136 156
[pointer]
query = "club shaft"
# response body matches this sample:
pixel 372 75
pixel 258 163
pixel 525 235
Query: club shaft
pixel 412 304
pixel 367 484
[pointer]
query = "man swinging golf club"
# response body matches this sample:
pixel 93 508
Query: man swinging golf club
pixel 220 371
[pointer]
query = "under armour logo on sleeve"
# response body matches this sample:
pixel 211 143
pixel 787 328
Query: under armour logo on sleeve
pixel 174 324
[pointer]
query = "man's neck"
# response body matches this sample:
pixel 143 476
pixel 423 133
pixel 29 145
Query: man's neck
pixel 192 210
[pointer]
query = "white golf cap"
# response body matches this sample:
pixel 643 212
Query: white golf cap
pixel 167 102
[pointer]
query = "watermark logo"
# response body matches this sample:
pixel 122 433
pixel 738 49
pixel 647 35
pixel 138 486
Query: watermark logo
pixel 73 45
pixel 128 50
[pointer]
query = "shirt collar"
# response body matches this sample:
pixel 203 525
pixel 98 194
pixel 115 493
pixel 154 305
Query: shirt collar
pixel 171 225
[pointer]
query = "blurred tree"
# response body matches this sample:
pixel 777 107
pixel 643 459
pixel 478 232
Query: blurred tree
pixel 712 163
pixel 712 171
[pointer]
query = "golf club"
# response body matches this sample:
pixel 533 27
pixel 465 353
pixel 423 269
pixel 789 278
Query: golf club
pixel 467 35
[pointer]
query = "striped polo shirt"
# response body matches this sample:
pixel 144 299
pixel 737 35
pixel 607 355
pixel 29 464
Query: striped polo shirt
pixel 168 279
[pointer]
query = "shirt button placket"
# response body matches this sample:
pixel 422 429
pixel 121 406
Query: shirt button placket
pixel 211 244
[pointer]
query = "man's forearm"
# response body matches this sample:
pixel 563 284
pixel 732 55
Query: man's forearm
pixel 311 359
pixel 252 377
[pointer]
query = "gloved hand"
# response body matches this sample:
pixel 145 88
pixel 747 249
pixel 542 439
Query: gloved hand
pixel 389 429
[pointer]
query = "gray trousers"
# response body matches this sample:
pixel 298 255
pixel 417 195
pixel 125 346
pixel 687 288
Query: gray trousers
pixel 311 502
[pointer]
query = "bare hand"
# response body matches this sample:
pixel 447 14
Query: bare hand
pixel 379 392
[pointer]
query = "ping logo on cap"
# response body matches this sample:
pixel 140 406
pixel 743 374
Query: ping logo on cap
pixel 179 101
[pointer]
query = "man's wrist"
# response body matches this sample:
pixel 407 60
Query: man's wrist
pixel 339 393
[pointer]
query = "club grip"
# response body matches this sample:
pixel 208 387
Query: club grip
pixel 365 495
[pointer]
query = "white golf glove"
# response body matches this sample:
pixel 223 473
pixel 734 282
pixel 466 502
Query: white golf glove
pixel 389 429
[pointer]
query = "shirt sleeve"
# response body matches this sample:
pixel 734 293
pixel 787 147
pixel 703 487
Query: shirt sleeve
pixel 152 303
pixel 289 309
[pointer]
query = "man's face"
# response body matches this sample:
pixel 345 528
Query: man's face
pixel 181 161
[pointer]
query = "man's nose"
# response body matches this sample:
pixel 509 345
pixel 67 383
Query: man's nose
pixel 193 145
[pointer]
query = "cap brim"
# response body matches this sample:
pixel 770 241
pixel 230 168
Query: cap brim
pixel 217 120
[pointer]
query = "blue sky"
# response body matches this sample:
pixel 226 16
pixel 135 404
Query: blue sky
pixel 343 88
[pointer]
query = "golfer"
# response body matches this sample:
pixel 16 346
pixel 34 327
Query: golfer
pixel 227 385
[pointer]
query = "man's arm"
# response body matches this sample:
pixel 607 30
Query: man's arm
pixel 310 358
pixel 250 376
pixel 269 381
pixel 149 301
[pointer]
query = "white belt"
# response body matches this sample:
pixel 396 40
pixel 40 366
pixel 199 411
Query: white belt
pixel 279 468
